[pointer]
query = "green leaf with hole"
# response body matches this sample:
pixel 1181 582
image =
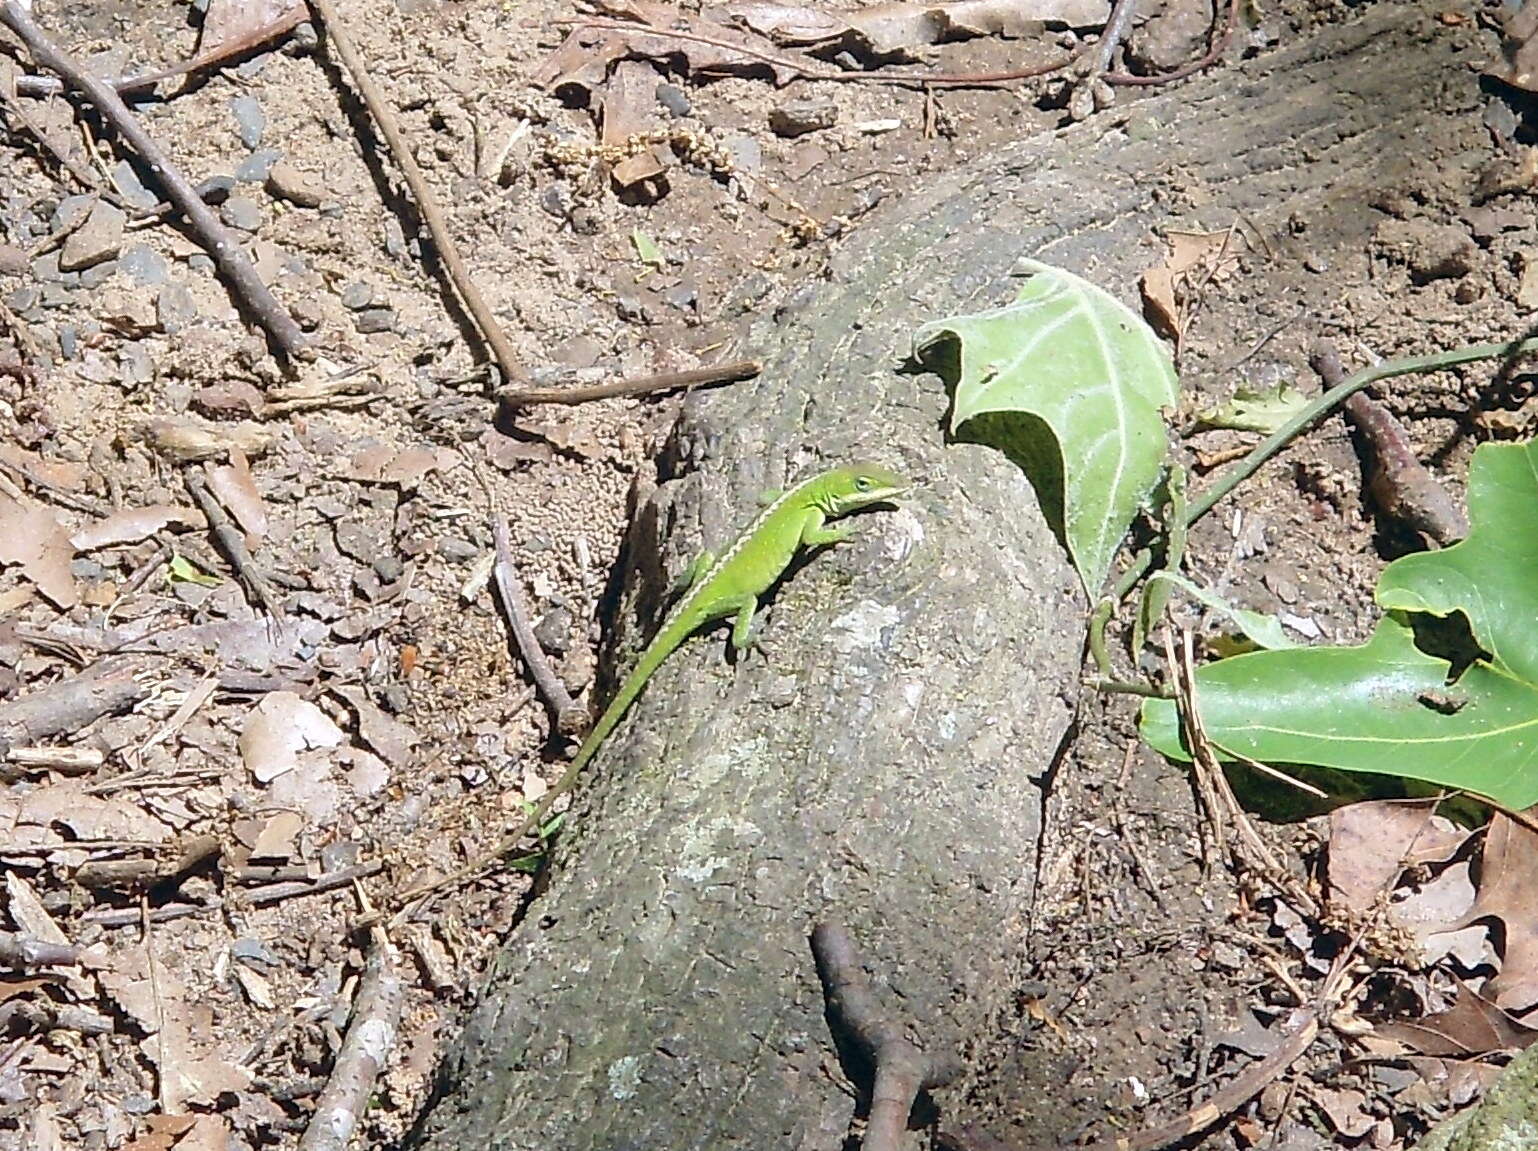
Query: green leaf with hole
pixel 183 570
pixel 646 248
pixel 1070 384
pixel 1255 409
pixel 1387 706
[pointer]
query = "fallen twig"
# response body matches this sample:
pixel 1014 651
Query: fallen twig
pixel 901 1068
pixel 24 952
pixel 155 871
pixel 1211 57
pixel 376 1013
pixel 287 22
pixel 330 881
pixel 1400 484
pixel 109 687
pixel 83 174
pixel 232 545
pixel 225 250
pixel 569 717
pixel 637 386
pixel 805 71
pixel 432 216
pixel 1311 414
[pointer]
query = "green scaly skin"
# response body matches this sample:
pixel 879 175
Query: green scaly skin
pixel 729 586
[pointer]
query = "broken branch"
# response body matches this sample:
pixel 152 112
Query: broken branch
pixel 638 386
pixel 238 271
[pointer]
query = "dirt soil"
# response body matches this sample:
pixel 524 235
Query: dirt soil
pixel 377 728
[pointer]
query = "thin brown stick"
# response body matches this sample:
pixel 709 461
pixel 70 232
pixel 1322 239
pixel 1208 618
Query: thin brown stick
pixel 635 386
pixel 370 1040
pixel 432 216
pixel 24 952
pixel 82 172
pixel 902 1069
pixel 238 271
pixel 218 54
pixel 1212 56
pixel 569 717
pixel 232 543
pixel 273 892
pixel 806 72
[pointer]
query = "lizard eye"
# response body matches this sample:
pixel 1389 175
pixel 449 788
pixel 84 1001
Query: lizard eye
pixel 862 483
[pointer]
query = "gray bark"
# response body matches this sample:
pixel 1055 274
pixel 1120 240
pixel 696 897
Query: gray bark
pixel 881 766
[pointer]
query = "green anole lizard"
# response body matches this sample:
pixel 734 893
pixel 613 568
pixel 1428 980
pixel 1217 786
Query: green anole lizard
pixel 721 587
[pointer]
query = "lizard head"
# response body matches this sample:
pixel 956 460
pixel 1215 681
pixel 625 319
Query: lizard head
pixel 860 485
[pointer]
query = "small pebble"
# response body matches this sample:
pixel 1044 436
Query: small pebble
pixel 389 568
pixel 72 210
pixel 25 298
pixel 250 120
pixel 143 265
pixel 553 631
pixel 46 269
pixel 216 189
pixel 136 367
pixel 255 167
pixel 357 295
pixel 175 308
pixel 674 99
pixel 556 201
pixel 373 320
pixel 456 550
pixel 799 119
pixel 98 274
pixel 201 262
pixel 131 188
pixel 287 182
pixel 396 697
pixel 241 212
pixel 745 152
pixel 631 310
pixel 13 261
pixel 98 239
pixel 69 341
pixel 685 297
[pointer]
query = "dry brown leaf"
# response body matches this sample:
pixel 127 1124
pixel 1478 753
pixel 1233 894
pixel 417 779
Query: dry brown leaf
pixel 236 490
pixel 1473 1025
pixel 1371 842
pixel 67 474
pixel 163 1132
pixel 279 728
pixel 32 538
pixel 1346 1109
pixel 67 804
pixel 131 525
pixel 179 1035
pixel 276 839
pixel 898 30
pixel 1508 891
pixel 383 464
pixel 583 60
pixel 388 736
pixel 1172 289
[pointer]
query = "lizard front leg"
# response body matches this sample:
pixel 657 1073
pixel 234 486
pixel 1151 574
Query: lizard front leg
pixel 697 570
pixel 814 534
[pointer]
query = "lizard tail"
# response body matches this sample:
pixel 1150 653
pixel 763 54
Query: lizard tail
pixel 666 642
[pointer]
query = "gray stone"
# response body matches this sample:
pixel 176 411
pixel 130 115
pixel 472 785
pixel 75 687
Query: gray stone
pixel 70 212
pixel 553 631
pixel 674 99
pixel 389 568
pixel 24 298
pixel 98 239
pixel 201 262
pixel 131 188
pixel 69 341
pixel 374 320
pixel 98 274
pixel 136 366
pixel 13 261
pixel 357 295
pixel 175 307
pixel 45 269
pixel 143 265
pixel 250 120
pixel 255 168
pixel 456 550
pixel 216 189
pixel 746 154
pixel 287 182
pixel 798 119
pixel 241 212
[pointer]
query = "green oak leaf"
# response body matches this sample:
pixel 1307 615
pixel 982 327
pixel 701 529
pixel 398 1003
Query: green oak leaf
pixel 1069 383
pixel 1387 706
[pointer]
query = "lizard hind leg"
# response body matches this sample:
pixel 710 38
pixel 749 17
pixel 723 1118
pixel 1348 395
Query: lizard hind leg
pixel 744 636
